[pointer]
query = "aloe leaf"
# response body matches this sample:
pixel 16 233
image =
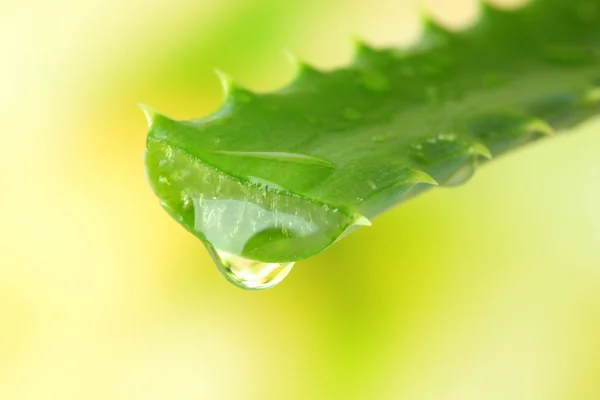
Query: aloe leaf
pixel 280 176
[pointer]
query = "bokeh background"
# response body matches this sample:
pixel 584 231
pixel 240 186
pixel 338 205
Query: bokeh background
pixel 488 291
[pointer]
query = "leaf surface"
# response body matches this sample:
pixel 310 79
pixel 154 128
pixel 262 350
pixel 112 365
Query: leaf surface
pixel 280 176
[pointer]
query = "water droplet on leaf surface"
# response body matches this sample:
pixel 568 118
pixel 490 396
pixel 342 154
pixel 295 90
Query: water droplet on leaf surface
pixel 461 175
pixel 164 180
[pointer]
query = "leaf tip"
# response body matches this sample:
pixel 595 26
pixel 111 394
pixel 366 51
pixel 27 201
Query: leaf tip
pixel 232 91
pixel 489 9
pixel 480 149
pixel 419 176
pixel 538 125
pixel 300 67
pixel 292 58
pixel 361 220
pixel 226 81
pixel 432 27
pixel 149 113
pixel 360 47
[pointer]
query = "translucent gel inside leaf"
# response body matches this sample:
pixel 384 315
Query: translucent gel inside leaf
pixel 247 219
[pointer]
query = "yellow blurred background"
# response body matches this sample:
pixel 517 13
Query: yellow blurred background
pixel 484 292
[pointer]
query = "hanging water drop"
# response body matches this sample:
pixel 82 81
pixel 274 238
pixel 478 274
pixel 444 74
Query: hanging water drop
pixel 253 231
pixel 249 274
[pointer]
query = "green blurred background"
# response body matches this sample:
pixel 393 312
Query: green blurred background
pixel 484 292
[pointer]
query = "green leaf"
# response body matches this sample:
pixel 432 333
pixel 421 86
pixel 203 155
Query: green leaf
pixel 280 176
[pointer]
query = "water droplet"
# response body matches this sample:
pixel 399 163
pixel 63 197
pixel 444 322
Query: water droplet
pixel 372 185
pixel 361 220
pixel 248 222
pixel 250 274
pixel 446 137
pixel 375 81
pixel 352 114
pixel 461 175
pixel 186 201
pixel 440 148
pixel 216 140
pixel 555 103
pixel 164 180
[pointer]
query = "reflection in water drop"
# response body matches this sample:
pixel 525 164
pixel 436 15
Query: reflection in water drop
pixel 249 274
